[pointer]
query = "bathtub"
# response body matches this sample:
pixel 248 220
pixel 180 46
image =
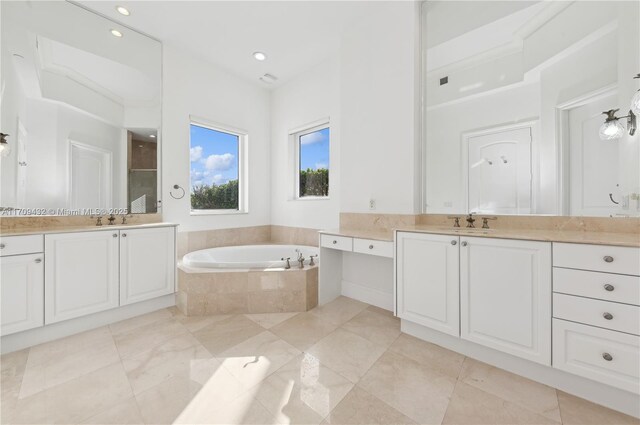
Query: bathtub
pixel 248 256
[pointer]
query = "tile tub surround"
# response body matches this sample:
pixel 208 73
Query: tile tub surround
pixel 166 368
pixel 204 292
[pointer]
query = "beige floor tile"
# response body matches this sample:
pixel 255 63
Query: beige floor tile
pixel 269 320
pixel 302 391
pixel 245 409
pixel 577 411
pixel 145 337
pixel 533 396
pixel 177 356
pixel 374 326
pixel 256 358
pixel 129 325
pixel 76 400
pixel 443 360
pixel 125 413
pixel 220 336
pixel 472 406
pixel 347 353
pixel 68 345
pixel 303 330
pixel 417 390
pixel 361 408
pixel 13 364
pixel 195 323
pixel 340 310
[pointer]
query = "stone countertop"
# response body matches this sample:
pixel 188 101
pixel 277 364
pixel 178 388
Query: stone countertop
pixel 546 235
pixel 71 229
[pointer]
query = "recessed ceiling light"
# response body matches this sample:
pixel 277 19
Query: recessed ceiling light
pixel 153 136
pixel 123 10
pixel 259 56
pixel 116 33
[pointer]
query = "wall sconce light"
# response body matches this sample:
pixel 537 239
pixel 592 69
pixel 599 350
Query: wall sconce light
pixel 635 101
pixel 5 149
pixel 612 129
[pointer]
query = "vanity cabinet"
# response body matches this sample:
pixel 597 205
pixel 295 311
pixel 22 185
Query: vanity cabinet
pixel 81 274
pixel 147 265
pixel 427 268
pixel 22 292
pixel 505 296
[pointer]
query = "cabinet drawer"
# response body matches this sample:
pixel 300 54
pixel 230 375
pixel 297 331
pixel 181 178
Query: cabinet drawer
pixel 603 258
pixel 373 247
pixel 606 286
pixel 15 245
pixel 621 317
pixel 599 354
pixel 337 242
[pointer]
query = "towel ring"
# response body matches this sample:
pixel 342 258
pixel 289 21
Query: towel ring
pixel 177 186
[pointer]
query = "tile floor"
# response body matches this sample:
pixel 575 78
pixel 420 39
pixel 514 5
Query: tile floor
pixel 342 363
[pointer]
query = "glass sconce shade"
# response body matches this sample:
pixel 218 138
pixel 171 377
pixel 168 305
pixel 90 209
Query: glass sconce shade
pixel 611 130
pixel 635 103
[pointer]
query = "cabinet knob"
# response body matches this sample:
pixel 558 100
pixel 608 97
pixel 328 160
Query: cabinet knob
pixel 464 243
pixel 2 246
pixel 124 235
pixel 335 242
pixel 454 243
pixel 370 246
pixel 608 357
pixel 608 259
pixel 115 235
pixel 608 316
pixel 609 287
pixel 38 260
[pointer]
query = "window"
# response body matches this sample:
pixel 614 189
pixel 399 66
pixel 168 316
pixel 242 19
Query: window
pixel 216 169
pixel 312 162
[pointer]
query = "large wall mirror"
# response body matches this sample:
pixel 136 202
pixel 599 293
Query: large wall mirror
pixel 81 104
pixel 513 100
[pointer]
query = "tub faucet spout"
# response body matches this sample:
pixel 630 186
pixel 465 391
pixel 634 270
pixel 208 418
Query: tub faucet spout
pixel 301 260
pixel 288 265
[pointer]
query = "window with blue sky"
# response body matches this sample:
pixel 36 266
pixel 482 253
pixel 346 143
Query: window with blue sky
pixel 214 157
pixel 313 161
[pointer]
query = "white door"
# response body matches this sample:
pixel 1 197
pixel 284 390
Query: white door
pixel 499 172
pixel 593 164
pixel 81 274
pixel 505 296
pixel 90 176
pixel 147 263
pixel 22 292
pixel 428 280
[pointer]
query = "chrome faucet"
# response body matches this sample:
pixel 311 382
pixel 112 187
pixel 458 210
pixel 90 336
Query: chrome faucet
pixel 301 260
pixel 485 221
pixel 470 220
pixel 456 221
pixel 288 265
pixel 112 219
pixel 98 220
pixel 311 257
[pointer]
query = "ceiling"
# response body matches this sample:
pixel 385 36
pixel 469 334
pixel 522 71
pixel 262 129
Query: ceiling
pixel 295 35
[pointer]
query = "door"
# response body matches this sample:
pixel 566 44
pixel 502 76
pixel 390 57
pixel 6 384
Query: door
pixel 21 176
pixel 505 296
pixel 147 263
pixel 22 292
pixel 81 274
pixel 428 280
pixel 593 164
pixel 89 176
pixel 499 172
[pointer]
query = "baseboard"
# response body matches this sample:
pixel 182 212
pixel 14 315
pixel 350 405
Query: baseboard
pixel 367 295
pixel 20 340
pixel 613 398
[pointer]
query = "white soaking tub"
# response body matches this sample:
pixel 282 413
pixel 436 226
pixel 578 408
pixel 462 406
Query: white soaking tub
pixel 249 256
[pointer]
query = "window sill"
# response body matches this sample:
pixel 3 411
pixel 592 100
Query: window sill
pixel 311 198
pixel 217 212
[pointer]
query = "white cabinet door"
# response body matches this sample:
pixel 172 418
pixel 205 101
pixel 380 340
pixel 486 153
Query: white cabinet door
pixel 81 274
pixel 147 263
pixel 428 280
pixel 22 287
pixel 505 296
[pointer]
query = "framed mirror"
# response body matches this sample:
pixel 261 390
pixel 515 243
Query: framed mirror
pixel 81 104
pixel 513 100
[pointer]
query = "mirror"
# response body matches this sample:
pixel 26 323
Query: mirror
pixel 513 95
pixel 81 104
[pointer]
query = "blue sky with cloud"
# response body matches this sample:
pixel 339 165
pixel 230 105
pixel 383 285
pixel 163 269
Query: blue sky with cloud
pixel 213 155
pixel 314 150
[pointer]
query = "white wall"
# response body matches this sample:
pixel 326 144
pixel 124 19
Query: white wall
pixel 378 92
pixel 310 97
pixel 195 87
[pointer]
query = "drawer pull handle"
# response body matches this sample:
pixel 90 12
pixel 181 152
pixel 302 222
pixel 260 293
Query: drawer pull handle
pixel 115 235
pixel 454 243
pixel 464 243
pixel 609 287
pixel 608 316
pixel 608 259
pixel 38 260
pixel 124 235
pixel 2 246
pixel 370 246
pixel 608 357
pixel 335 242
